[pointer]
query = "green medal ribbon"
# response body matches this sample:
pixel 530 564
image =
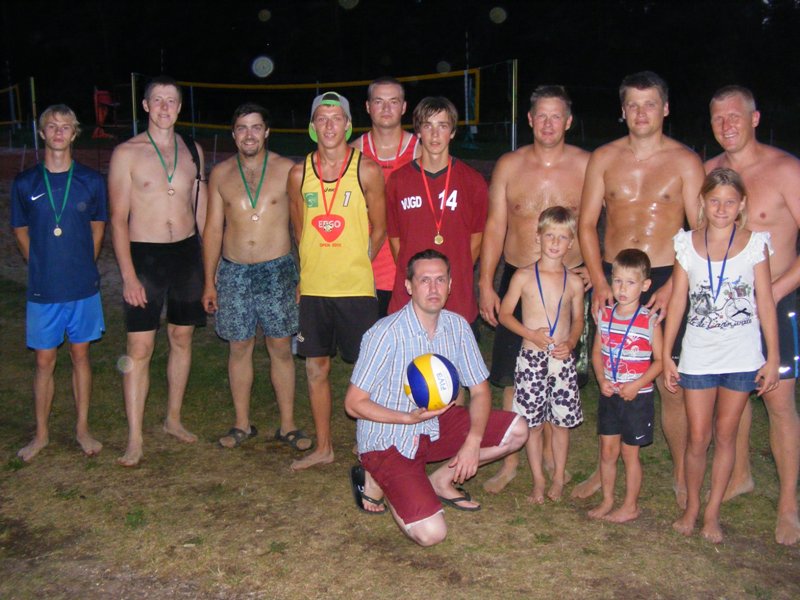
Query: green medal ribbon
pixel 50 194
pixel 161 158
pixel 253 199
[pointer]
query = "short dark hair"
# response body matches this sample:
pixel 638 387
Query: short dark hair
pixel 248 108
pixel 429 254
pixel 633 258
pixel 551 91
pixel 385 80
pixel 431 105
pixel 727 91
pixel 644 80
pixel 162 80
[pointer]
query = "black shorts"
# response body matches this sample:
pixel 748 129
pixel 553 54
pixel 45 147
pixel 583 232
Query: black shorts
pixel 506 343
pixel 658 277
pixel 328 324
pixel 632 420
pixel 787 336
pixel 172 271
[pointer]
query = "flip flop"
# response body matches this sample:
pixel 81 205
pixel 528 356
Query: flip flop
pixel 239 436
pixel 291 438
pixel 357 479
pixel 454 502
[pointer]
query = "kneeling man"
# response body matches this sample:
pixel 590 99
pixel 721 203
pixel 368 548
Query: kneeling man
pixel 395 438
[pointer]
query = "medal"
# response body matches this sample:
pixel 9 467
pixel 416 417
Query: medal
pixel 438 239
pixel 170 190
pixel 551 346
pixel 614 364
pixel 253 198
pixel 722 270
pixel 58 231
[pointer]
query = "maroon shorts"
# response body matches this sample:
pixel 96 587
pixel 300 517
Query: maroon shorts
pixel 405 482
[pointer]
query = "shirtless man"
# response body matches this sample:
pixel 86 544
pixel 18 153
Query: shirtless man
pixel 339 221
pixel 157 212
pixel 772 179
pixel 248 224
pixel 547 173
pixel 647 183
pixel 388 145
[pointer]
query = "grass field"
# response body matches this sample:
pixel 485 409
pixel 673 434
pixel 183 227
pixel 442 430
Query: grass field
pixel 200 522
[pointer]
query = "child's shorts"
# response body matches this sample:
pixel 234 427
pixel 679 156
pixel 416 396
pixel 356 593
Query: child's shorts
pixel 546 389
pixel 632 420
pixel 743 381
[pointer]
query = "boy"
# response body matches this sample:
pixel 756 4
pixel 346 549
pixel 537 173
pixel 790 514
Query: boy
pixel 546 383
pixel 626 358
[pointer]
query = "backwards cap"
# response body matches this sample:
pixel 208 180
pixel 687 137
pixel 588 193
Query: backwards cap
pixel 330 99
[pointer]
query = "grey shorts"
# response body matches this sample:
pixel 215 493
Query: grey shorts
pixel 258 294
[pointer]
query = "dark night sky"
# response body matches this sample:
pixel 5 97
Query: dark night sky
pixel 697 46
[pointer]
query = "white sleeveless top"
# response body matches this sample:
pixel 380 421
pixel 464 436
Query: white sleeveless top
pixel 722 336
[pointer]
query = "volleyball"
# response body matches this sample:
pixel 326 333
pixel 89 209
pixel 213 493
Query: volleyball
pixel 431 381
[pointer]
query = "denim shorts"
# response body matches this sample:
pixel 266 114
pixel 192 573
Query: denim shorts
pixel 743 381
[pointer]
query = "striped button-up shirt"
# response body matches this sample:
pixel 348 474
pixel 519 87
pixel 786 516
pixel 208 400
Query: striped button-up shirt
pixel 386 350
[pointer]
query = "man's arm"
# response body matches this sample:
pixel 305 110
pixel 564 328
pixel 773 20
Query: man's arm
pixel 565 348
pixel 475 245
pixel 789 179
pixel 373 186
pixel 120 186
pixel 359 405
pixel 591 208
pixel 23 238
pixel 465 463
pixel 98 229
pixel 201 194
pixel 693 177
pixel 494 235
pixel 212 241
pixel 296 207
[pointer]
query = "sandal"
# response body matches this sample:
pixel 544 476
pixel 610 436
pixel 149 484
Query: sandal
pixel 239 437
pixel 293 439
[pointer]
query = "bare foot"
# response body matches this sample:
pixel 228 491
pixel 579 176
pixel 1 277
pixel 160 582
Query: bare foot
pixel 711 531
pixel 497 484
pixel 587 488
pixel 89 445
pixel 685 525
pixel 32 449
pixel 179 431
pixel 133 455
pixel 555 491
pixel 601 510
pixel 680 495
pixel 737 488
pixel 315 458
pixel 787 529
pixel 623 514
pixel 537 495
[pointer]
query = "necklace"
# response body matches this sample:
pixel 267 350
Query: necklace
pixel 253 199
pixel 438 239
pixel 170 190
pixel 722 270
pixel 551 346
pixel 615 363
pixel 58 231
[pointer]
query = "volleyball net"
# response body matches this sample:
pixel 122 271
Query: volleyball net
pixel 483 96
pixel 10 106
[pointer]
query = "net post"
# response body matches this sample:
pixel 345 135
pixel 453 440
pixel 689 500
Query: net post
pixel 35 116
pixel 191 107
pixel 134 116
pixel 514 107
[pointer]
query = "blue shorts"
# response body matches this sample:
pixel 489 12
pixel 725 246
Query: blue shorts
pixel 743 381
pixel 81 320
pixel 257 294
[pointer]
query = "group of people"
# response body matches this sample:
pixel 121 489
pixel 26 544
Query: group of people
pixel 226 247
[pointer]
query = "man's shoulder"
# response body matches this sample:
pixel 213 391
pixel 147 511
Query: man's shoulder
pixel 610 150
pixel 680 150
pixel 28 175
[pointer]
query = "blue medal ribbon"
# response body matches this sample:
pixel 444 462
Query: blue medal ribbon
pixel 614 363
pixel 553 324
pixel 722 270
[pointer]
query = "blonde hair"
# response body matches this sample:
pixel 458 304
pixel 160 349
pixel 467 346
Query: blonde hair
pixel 556 215
pixel 61 110
pixel 723 176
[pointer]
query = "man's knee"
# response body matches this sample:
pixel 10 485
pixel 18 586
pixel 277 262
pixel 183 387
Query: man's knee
pixel 46 360
pixel 79 354
pixel 780 402
pixel 279 348
pixel 241 349
pixel 180 336
pixel 518 435
pixel 318 369
pixel 429 532
pixel 140 345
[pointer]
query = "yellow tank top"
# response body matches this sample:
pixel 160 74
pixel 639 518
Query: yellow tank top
pixel 334 245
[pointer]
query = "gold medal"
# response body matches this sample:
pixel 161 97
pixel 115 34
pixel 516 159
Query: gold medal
pixel 438 240
pixel 57 231
pixel 255 217
pixel 171 191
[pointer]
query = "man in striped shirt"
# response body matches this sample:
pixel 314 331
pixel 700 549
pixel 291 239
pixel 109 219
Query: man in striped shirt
pixel 395 438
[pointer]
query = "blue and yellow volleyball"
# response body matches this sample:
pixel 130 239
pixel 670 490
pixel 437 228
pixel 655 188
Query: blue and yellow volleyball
pixel 431 381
